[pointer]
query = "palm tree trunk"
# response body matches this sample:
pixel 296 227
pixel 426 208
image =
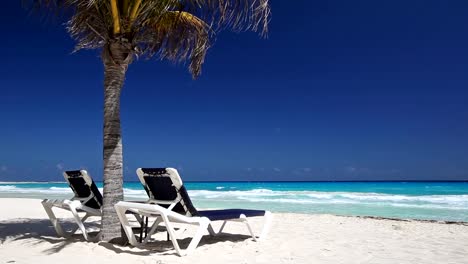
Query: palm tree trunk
pixel 116 57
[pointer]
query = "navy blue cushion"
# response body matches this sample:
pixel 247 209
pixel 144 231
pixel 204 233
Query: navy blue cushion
pixel 228 214
pixel 161 187
pixel 82 190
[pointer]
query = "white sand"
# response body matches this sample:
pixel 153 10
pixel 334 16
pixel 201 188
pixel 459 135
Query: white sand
pixel 26 236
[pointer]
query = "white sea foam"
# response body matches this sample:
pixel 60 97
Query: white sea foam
pixel 254 192
pixel 135 193
pixel 59 191
pixel 262 195
pixel 6 188
pixel 51 190
pixel 311 197
pixel 428 206
pixel 299 201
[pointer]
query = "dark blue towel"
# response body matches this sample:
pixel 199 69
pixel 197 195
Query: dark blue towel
pixel 228 214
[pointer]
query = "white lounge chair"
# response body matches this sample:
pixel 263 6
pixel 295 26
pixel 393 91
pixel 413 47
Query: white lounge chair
pixel 170 203
pixel 87 199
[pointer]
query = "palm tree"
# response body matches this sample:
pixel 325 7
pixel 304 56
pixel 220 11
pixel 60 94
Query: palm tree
pixel 177 30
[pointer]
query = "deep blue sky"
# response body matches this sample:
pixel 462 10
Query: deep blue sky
pixel 341 90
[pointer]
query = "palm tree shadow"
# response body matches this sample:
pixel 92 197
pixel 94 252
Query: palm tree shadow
pixel 36 231
pixel 166 248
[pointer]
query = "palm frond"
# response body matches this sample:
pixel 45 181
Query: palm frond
pixel 115 16
pixel 88 21
pixel 177 30
pixel 89 26
pixel 181 29
pixel 177 36
pixel 237 15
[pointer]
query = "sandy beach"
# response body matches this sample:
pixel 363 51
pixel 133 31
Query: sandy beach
pixel 26 236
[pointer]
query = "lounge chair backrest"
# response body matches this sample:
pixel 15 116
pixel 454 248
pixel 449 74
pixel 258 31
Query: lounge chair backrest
pixel 84 188
pixel 165 188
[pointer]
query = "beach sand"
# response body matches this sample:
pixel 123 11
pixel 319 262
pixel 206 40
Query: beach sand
pixel 26 236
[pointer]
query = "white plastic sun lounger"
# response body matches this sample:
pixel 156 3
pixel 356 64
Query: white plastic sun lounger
pixel 87 199
pixel 169 203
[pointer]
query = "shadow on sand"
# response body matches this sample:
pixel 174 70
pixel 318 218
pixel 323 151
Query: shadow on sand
pixel 37 231
pixel 166 248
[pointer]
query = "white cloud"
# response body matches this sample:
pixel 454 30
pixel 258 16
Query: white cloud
pixel 59 166
pixel 276 169
pixel 359 170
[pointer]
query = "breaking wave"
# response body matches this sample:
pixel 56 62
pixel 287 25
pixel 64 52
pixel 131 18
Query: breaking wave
pixel 267 195
pixel 445 207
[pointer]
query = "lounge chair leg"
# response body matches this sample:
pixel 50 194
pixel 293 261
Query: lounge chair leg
pixel 155 225
pixel 222 227
pixel 267 225
pixel 246 221
pixel 196 239
pixel 142 226
pixel 146 227
pixel 172 236
pixel 77 227
pixel 213 232
pixel 137 217
pixel 53 219
pixel 126 225
pixel 79 222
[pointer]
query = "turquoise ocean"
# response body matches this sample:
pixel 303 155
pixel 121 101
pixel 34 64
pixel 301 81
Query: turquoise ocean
pixel 407 200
